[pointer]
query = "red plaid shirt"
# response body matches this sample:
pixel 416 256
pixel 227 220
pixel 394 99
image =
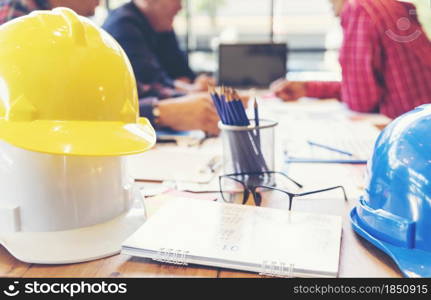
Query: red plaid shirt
pixel 385 59
pixel 11 9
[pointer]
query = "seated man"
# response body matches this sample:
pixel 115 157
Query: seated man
pixel 144 28
pixel 385 60
pixel 10 9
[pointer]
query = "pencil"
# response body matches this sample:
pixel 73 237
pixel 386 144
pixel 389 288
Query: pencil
pixel 256 113
pixel 245 148
pixel 311 143
pixel 257 122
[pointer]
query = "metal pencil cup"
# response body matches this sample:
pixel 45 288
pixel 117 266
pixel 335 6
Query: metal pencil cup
pixel 248 149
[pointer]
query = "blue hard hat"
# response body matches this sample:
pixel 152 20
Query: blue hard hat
pixel 394 214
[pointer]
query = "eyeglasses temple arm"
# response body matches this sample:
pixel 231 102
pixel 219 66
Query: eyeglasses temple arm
pixel 325 190
pixel 292 180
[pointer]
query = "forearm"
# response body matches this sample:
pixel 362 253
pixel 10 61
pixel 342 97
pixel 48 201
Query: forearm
pixel 323 89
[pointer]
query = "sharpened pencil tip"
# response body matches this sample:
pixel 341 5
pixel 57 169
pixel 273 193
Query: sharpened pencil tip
pixel 211 89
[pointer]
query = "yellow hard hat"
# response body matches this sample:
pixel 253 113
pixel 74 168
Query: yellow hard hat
pixel 67 87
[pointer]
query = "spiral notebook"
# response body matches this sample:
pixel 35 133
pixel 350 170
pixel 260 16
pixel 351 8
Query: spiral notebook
pixel 269 241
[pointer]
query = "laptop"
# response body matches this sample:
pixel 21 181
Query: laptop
pixel 251 65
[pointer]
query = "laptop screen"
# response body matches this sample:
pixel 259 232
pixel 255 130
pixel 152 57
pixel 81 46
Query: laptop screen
pixel 251 65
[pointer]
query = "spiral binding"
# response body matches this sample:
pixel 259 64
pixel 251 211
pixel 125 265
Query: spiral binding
pixel 277 269
pixel 172 256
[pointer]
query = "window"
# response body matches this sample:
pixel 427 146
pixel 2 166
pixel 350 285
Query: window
pixel 308 27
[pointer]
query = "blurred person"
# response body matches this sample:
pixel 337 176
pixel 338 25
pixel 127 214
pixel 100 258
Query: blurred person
pixel 385 60
pixel 11 9
pixel 144 28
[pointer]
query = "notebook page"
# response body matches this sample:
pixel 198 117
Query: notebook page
pixel 174 163
pixel 244 234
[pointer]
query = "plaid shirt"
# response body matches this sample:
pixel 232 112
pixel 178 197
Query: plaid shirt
pixel 385 59
pixel 11 9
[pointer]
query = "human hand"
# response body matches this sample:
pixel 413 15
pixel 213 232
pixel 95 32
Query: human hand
pixel 202 82
pixel 288 90
pixel 193 112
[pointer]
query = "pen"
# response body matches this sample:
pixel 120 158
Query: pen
pixel 256 113
pixel 165 141
pixel 324 161
pixel 256 121
pixel 329 148
pixel 214 168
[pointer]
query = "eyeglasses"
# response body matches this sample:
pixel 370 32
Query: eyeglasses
pixel 277 185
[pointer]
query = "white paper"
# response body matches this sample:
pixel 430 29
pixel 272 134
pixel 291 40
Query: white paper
pixel 174 163
pixel 236 236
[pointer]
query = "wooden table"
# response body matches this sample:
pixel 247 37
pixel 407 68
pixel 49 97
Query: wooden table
pixel 358 257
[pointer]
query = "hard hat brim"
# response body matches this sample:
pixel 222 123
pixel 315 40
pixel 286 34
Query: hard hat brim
pixel 80 138
pixel 412 262
pixel 73 246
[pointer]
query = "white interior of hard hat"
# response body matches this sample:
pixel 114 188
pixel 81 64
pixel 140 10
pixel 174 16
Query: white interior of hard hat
pixel 51 198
